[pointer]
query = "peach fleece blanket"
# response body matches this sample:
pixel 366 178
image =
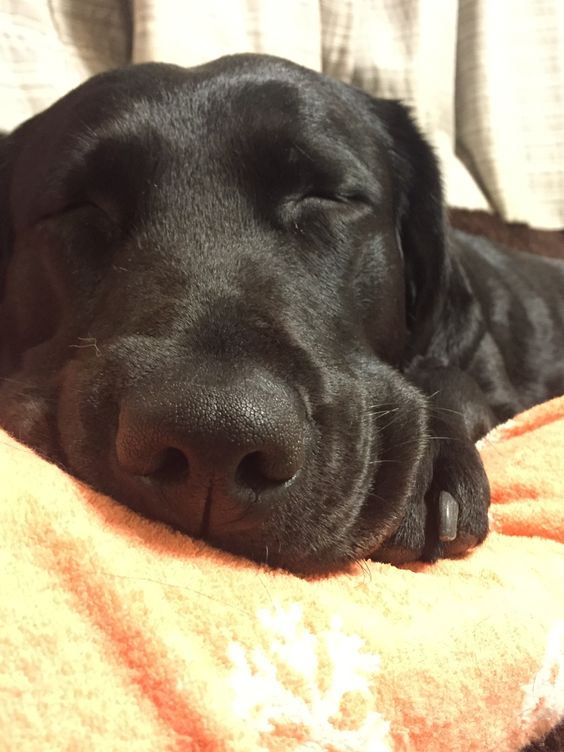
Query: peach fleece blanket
pixel 119 634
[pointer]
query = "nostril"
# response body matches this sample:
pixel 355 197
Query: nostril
pixel 260 470
pixel 172 466
pixel 238 438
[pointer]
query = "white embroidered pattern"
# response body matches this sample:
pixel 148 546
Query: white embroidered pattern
pixel 543 705
pixel 265 701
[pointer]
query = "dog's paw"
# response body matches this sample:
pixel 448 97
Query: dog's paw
pixel 447 512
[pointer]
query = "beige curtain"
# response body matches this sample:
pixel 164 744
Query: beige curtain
pixel 484 77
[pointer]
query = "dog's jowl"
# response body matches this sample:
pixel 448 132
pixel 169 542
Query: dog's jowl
pixel 229 299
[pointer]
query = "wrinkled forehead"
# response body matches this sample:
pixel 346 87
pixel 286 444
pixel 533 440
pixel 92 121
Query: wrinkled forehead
pixel 126 129
pixel 230 103
pixel 251 114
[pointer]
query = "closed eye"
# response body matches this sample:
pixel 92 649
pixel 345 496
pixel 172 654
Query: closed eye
pixel 82 208
pixel 316 211
pixel 83 225
pixel 336 197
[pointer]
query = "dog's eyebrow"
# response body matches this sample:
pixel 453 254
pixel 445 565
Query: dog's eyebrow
pixel 336 167
pixel 93 163
pixel 331 152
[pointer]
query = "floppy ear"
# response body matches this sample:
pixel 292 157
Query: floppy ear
pixel 5 232
pixel 10 146
pixel 5 229
pixel 420 224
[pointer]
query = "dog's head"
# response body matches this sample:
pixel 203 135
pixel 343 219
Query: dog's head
pixel 210 281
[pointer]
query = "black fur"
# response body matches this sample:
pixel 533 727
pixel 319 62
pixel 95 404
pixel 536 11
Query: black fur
pixel 229 298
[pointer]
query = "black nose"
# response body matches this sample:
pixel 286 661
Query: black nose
pixel 238 438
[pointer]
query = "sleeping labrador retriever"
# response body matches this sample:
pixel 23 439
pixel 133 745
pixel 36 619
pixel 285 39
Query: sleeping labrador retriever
pixel 229 299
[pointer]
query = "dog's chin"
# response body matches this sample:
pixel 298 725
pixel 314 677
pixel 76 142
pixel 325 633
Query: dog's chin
pixel 27 414
pixel 30 420
pixel 279 539
pixel 318 530
pixel 334 536
pixel 275 538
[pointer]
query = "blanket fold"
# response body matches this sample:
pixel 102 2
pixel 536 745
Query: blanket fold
pixel 117 633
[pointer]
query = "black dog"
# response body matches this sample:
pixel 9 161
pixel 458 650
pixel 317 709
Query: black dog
pixel 229 299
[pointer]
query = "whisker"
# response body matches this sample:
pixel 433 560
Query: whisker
pixel 428 438
pixel 88 342
pixel 382 404
pixel 435 394
pixel 380 414
pixel 365 568
pixel 377 496
pixel 372 463
pixel 391 422
pixel 446 410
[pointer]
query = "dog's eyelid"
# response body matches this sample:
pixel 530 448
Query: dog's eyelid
pixel 347 196
pixel 72 207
